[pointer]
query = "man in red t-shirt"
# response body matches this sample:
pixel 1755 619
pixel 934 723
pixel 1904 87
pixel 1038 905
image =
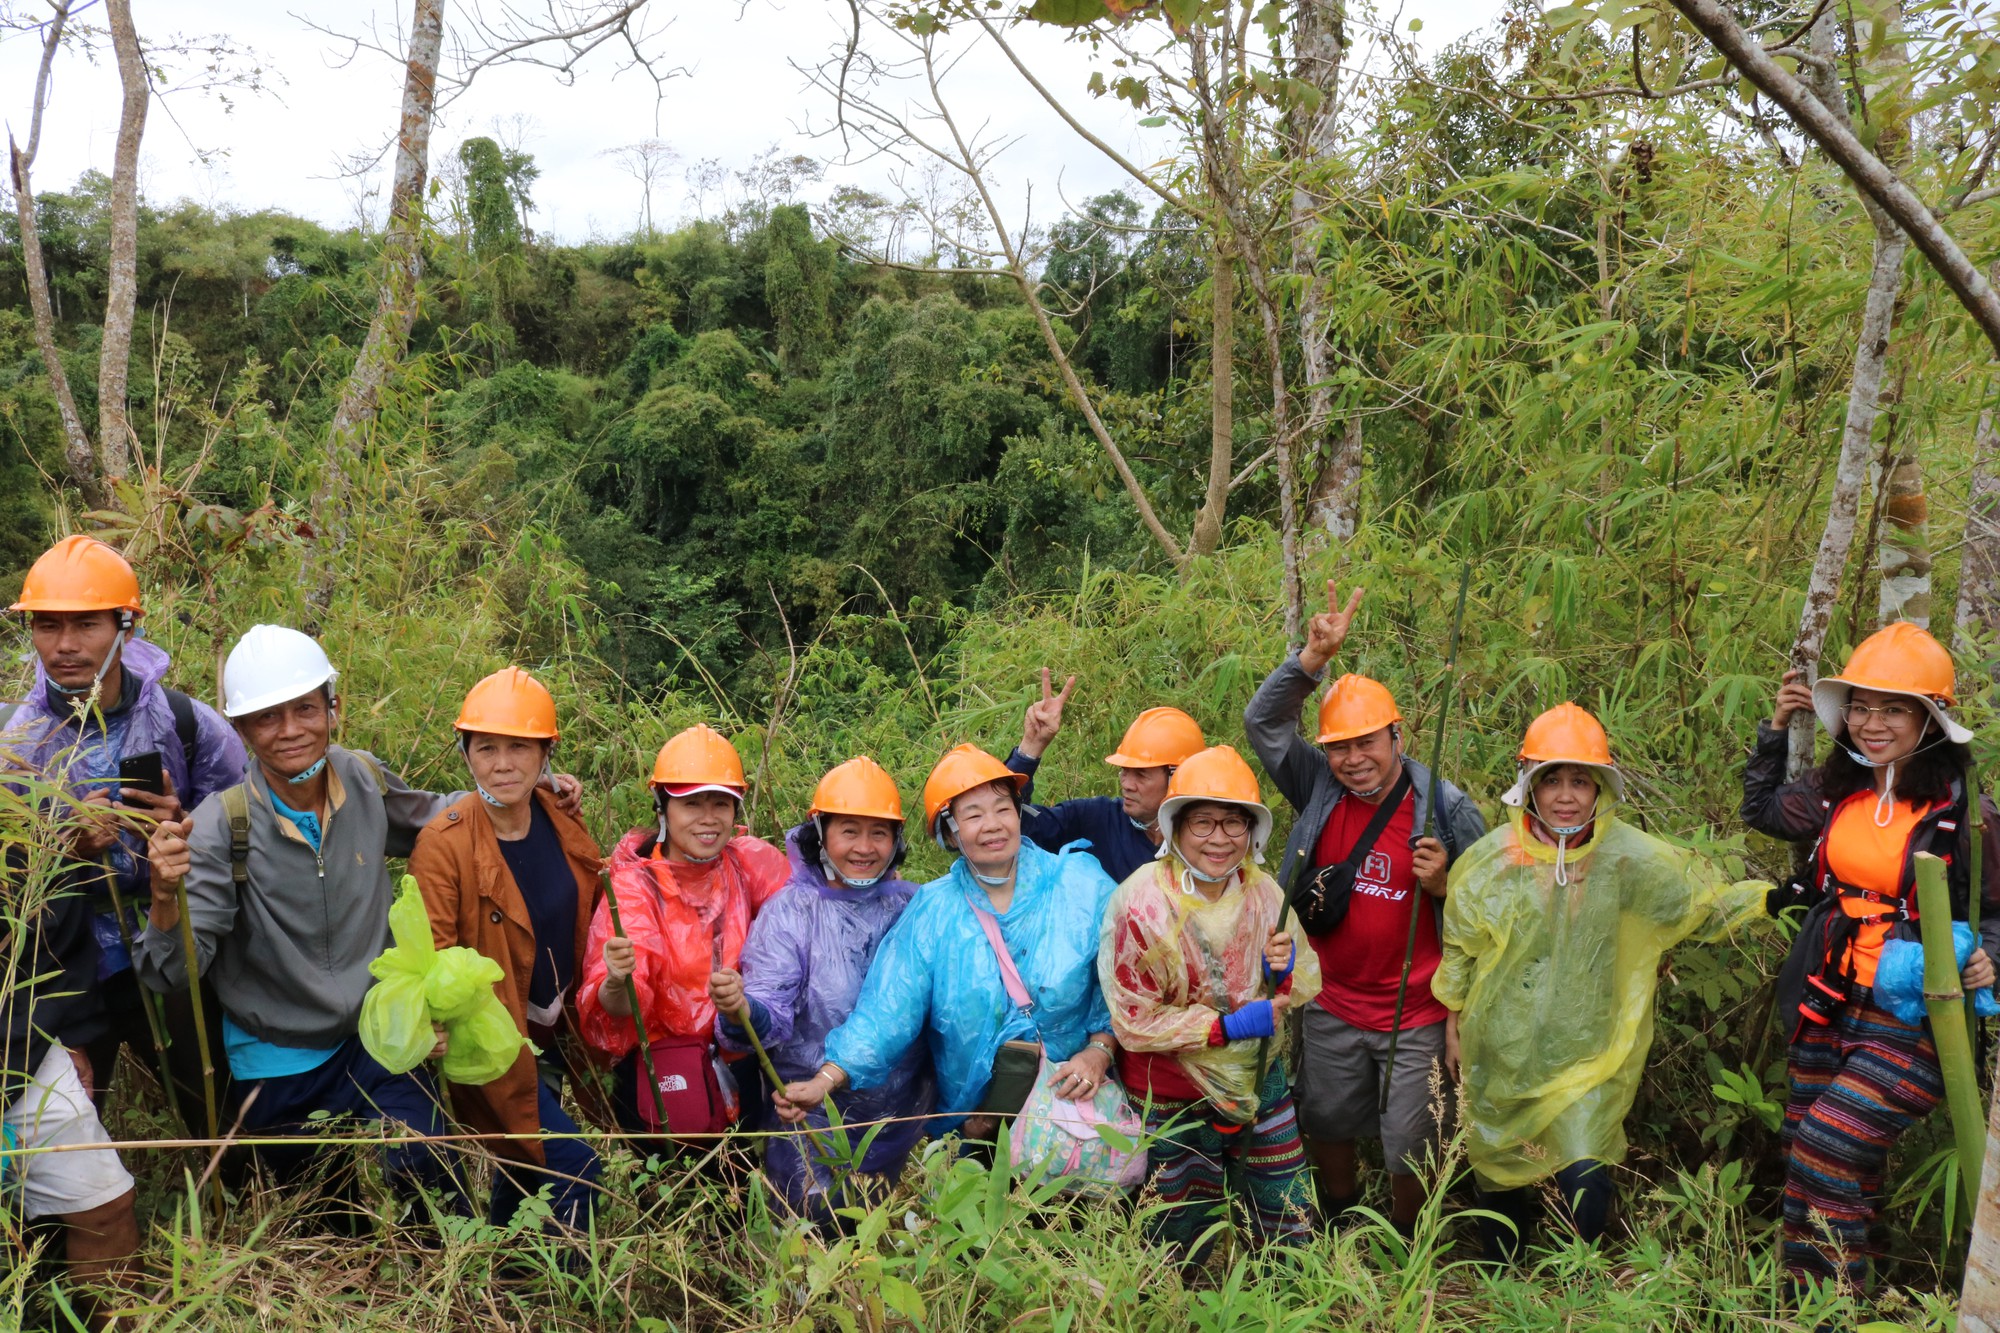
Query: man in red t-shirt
pixel 1338 788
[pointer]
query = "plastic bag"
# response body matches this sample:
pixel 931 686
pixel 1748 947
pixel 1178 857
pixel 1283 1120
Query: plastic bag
pixel 459 983
pixel 1899 978
pixel 1062 1138
pixel 417 986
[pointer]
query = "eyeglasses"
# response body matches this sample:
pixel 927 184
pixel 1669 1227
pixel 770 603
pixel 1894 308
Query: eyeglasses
pixel 1896 715
pixel 1235 825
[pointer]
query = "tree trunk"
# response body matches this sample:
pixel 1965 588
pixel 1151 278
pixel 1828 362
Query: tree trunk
pixel 1207 534
pixel 1871 355
pixel 79 460
pixel 1871 176
pixel 1977 617
pixel 1826 97
pixel 1905 552
pixel 396 302
pixel 117 446
pixel 1333 505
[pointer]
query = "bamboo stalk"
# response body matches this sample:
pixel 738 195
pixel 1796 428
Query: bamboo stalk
pixel 147 1000
pixel 1944 997
pixel 192 962
pixel 638 1019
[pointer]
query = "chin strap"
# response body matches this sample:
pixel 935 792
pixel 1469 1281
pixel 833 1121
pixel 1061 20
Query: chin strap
pixel 298 778
pixel 1563 833
pixel 836 877
pixel 1885 796
pixel 118 641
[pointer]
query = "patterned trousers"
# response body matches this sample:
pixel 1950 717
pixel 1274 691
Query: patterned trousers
pixel 1856 1084
pixel 1194 1159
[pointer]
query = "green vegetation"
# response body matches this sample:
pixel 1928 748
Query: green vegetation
pixel 733 473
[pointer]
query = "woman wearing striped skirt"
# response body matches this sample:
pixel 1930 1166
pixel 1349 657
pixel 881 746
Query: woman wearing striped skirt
pixel 1893 786
pixel 1197 969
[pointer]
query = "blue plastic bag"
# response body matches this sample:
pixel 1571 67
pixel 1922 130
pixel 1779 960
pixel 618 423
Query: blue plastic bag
pixel 1899 978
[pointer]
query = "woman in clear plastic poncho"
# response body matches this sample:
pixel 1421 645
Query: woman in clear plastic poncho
pixel 1554 927
pixel 1198 967
pixel 802 970
pixel 937 978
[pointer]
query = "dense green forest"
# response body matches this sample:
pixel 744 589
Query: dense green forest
pixel 746 470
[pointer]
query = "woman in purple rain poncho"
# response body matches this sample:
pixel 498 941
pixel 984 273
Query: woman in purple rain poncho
pixel 803 964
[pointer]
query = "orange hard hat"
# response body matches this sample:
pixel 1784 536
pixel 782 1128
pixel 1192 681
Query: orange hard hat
pixel 1355 706
pixel 1566 734
pixel 1157 738
pixel 1897 659
pixel 80 573
pixel 510 702
pixel 963 768
pixel 699 759
pixel 858 787
pixel 1217 774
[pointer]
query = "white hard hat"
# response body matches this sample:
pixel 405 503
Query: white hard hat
pixel 269 666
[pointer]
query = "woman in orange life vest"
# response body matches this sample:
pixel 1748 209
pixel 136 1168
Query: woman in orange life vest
pixel 1893 785
pixel 686 894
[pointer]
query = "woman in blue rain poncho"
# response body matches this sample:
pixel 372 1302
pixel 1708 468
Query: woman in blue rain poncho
pixel 937 976
pixel 803 965
pixel 1554 926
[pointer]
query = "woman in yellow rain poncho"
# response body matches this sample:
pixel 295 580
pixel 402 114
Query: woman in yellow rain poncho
pixel 1554 926
pixel 1197 967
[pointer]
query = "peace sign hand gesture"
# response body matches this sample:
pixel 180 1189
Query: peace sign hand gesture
pixel 1326 631
pixel 1044 718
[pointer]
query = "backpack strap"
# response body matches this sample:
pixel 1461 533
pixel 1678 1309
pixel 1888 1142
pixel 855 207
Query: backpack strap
pixel 236 808
pixel 186 726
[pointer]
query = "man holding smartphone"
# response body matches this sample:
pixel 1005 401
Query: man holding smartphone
pixel 98 720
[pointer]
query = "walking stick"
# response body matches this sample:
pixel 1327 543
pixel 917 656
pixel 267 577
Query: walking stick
pixel 638 1019
pixel 146 1001
pixel 192 961
pixel 741 1018
pixel 1977 887
pixel 1437 795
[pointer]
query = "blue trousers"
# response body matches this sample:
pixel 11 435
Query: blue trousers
pixel 351 1083
pixel 570 1174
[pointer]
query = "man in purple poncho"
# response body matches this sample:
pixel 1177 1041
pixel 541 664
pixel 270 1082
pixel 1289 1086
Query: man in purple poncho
pixel 99 698
pixel 803 965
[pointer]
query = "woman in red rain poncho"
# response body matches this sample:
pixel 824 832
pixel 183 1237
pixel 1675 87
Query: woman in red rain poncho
pixel 685 894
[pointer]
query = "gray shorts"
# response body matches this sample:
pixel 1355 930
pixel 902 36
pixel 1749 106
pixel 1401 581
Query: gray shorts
pixel 1340 1082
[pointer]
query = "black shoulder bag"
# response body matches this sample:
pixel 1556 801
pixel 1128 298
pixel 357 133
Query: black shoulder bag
pixel 1323 905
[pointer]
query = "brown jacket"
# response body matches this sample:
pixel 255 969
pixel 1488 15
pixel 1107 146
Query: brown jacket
pixel 473 900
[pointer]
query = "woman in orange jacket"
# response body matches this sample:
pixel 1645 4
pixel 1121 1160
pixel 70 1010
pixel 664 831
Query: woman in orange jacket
pixel 685 893
pixel 506 872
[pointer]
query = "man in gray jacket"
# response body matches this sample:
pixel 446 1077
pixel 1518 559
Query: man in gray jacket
pixel 288 891
pixel 1357 911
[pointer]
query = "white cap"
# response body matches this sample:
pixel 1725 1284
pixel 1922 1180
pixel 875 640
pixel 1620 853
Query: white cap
pixel 269 666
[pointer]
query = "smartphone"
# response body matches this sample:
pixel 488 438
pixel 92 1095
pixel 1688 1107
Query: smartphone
pixel 143 772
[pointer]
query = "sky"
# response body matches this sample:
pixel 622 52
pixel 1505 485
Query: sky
pixel 740 96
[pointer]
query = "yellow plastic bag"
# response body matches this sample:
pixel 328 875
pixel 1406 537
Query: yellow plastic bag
pixel 459 983
pixel 419 986
pixel 482 1046
pixel 395 1023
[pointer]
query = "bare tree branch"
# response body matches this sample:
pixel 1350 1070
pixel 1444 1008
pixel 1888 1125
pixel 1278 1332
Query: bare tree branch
pixel 116 444
pixel 1870 175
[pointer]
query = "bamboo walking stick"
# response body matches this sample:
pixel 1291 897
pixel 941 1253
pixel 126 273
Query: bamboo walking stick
pixel 741 1018
pixel 147 1001
pixel 1944 997
pixel 1417 904
pixel 638 1019
pixel 192 961
pixel 1974 817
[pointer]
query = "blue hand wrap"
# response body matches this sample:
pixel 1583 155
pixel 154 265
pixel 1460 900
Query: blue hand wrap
pixel 1278 978
pixel 1254 1019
